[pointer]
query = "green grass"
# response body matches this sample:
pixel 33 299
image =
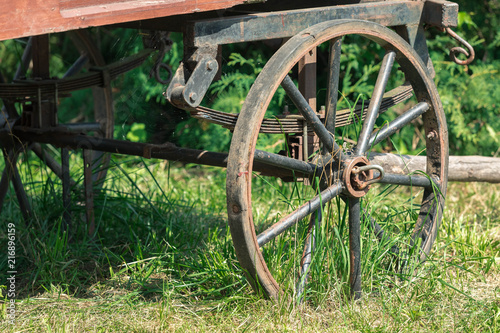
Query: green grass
pixel 162 259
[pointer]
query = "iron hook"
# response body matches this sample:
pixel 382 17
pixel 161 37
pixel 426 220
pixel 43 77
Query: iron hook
pixel 453 51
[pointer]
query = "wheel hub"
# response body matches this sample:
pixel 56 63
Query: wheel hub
pixel 358 175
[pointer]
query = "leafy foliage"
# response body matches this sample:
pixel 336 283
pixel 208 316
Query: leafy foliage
pixel 471 94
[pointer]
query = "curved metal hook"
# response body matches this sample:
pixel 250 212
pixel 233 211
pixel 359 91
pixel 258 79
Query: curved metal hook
pixel 360 169
pixel 156 71
pixel 453 52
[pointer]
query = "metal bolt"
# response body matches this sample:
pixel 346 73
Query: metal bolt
pixel 211 65
pixel 192 97
pixel 432 135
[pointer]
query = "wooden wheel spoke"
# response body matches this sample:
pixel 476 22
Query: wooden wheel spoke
pixel 375 101
pixel 306 209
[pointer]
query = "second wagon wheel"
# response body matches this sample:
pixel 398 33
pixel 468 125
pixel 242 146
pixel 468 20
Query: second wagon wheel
pixel 101 121
pixel 275 235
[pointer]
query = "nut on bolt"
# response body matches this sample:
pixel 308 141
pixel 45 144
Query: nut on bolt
pixel 432 135
pixel 192 97
pixel 211 65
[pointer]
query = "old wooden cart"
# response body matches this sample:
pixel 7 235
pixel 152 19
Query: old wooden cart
pixel 327 151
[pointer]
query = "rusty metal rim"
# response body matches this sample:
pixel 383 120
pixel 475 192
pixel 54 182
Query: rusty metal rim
pixel 239 172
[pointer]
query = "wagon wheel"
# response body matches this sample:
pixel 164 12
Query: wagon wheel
pixel 102 116
pixel 275 244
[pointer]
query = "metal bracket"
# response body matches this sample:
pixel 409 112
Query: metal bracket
pixel 188 94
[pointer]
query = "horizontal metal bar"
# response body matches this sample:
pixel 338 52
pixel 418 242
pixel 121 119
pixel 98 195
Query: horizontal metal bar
pixel 304 210
pixel 283 24
pixel 406 180
pixel 285 162
pixel 264 162
pixel 81 127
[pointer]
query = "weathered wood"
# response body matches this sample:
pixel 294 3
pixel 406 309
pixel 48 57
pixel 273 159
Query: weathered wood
pixel 460 169
pixel 21 18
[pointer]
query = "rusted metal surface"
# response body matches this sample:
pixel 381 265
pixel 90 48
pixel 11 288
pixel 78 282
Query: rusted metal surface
pixel 354 205
pixel 440 13
pixel 289 23
pixel 456 50
pixel 188 87
pixel 294 123
pixel 240 163
pixel 22 18
pixel 45 87
pixel 354 180
pixel 344 172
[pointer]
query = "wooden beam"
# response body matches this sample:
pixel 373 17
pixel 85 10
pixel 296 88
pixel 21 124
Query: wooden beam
pixel 460 169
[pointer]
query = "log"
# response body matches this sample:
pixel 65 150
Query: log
pixel 460 169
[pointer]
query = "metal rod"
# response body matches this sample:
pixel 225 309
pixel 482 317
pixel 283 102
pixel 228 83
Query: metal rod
pixel 89 190
pixel 291 219
pixel 21 71
pixel 332 91
pixel 311 117
pixel 309 247
pixel 406 180
pixel 81 127
pixel 355 247
pixel 398 123
pixel 10 159
pixel 263 162
pixel 66 187
pixel 288 163
pixel 375 101
pixel 25 61
pixel 77 66
pixel 22 198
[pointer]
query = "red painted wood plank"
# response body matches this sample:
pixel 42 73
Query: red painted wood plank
pixel 21 18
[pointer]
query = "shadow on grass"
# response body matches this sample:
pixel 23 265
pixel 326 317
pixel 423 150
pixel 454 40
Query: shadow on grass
pixel 154 237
